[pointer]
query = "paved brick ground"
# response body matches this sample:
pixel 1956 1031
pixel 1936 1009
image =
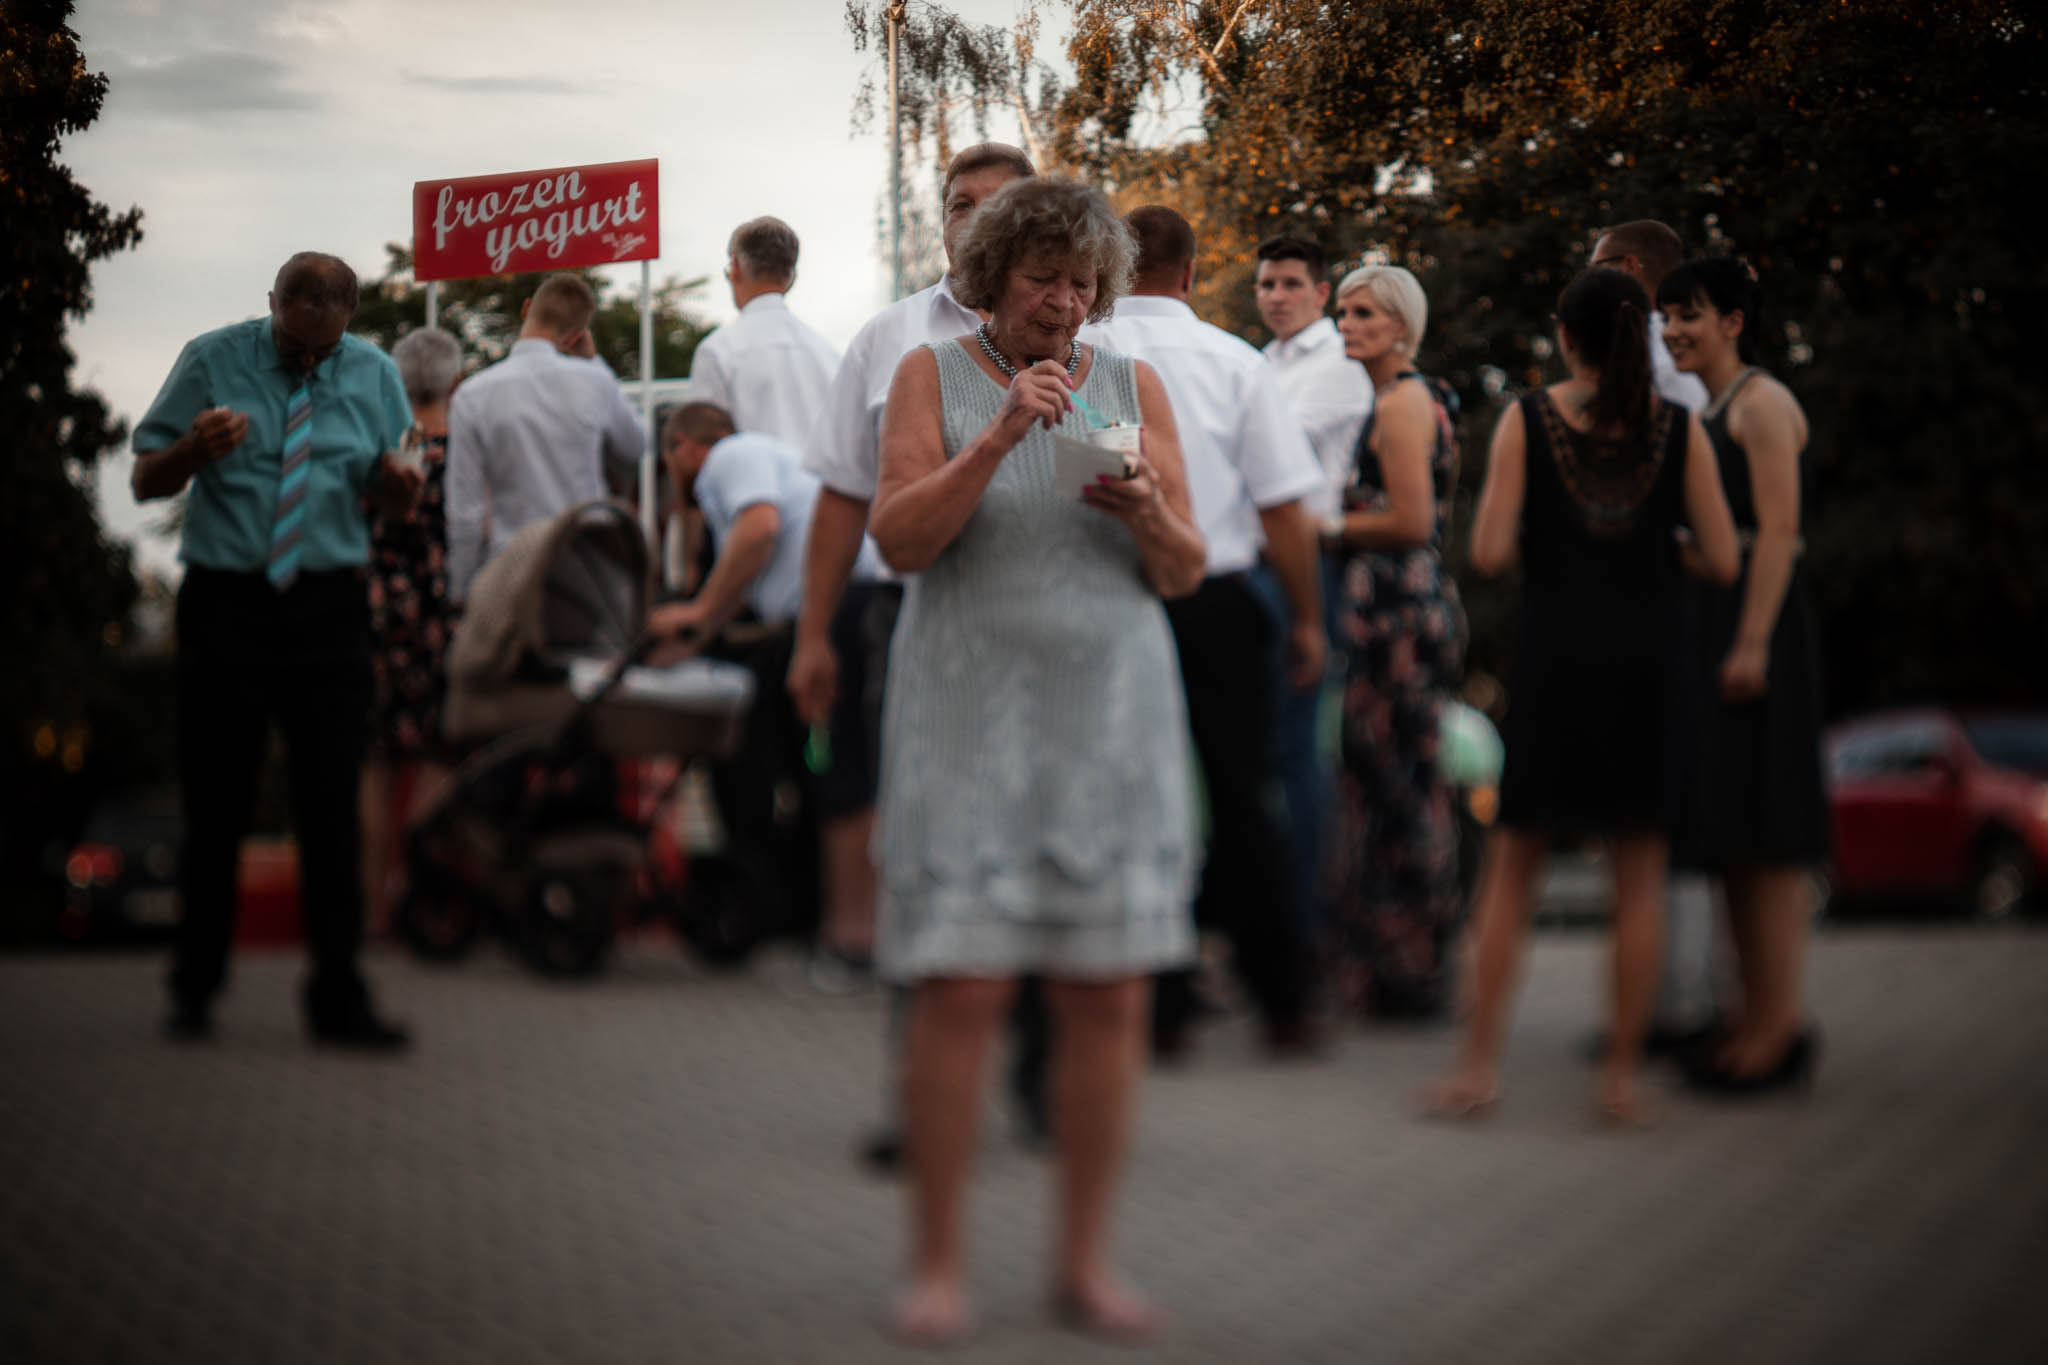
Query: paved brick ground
pixel 656 1168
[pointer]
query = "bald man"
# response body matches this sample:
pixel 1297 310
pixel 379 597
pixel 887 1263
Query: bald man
pixel 280 427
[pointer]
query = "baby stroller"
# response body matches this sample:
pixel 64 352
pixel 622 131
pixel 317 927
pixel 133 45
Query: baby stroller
pixel 545 671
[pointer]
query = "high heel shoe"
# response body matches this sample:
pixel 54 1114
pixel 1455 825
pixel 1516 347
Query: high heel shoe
pixel 1793 1069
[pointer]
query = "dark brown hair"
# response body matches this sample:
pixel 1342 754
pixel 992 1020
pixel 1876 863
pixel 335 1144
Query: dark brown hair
pixel 1295 246
pixel 1165 242
pixel 705 423
pixel 1607 315
pixel 1728 285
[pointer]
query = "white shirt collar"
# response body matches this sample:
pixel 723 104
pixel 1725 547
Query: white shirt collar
pixel 1153 306
pixel 773 300
pixel 1310 339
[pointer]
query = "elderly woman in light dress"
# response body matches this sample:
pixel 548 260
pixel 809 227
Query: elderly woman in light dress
pixel 1034 804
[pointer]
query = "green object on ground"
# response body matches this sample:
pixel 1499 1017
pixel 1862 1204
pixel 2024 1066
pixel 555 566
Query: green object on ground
pixel 1470 751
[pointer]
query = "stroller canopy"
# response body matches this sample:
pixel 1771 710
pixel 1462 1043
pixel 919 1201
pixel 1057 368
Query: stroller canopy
pixel 576 585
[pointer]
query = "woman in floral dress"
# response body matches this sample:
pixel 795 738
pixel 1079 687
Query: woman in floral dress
pixel 411 622
pixel 1394 860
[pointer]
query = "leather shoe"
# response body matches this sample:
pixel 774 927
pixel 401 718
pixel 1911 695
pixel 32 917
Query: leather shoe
pixel 191 1021
pixel 1298 1039
pixel 358 1028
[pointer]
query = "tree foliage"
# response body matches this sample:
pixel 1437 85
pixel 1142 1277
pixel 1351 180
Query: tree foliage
pixel 69 589
pixel 1870 160
pixel 483 314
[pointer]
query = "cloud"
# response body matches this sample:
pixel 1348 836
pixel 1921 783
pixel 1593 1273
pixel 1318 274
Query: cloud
pixel 214 82
pixel 498 85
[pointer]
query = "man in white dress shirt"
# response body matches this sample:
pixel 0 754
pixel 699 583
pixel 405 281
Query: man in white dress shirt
pixel 844 451
pixel 765 367
pixel 1251 473
pixel 1332 396
pixel 528 437
pixel 1649 250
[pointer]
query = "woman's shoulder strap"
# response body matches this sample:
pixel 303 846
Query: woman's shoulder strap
pixel 1720 405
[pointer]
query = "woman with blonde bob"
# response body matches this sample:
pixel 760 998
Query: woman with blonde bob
pixel 1402 628
pixel 1034 812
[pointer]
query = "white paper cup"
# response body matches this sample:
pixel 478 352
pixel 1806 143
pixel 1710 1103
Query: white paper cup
pixel 1127 437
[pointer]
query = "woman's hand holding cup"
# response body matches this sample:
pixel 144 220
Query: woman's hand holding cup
pixel 1132 500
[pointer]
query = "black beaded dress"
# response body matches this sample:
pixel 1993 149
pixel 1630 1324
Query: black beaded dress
pixel 1598 718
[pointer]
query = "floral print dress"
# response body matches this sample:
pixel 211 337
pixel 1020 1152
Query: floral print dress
pixel 1393 858
pixel 411 622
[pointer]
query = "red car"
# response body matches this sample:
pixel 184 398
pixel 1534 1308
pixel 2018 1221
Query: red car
pixel 1937 803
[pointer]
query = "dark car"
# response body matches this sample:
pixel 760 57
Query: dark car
pixel 121 878
pixel 1933 803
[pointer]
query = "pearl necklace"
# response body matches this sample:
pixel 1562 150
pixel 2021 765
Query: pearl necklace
pixel 988 347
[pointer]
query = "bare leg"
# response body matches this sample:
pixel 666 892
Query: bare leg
pixel 1780 913
pixel 1738 890
pixel 951 1022
pixel 374 803
pixel 429 781
pixel 1100 1031
pixel 850 882
pixel 1507 894
pixel 1640 865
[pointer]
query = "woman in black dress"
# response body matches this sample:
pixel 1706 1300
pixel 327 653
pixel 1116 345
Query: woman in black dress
pixel 1394 851
pixel 1756 810
pixel 411 623
pixel 1588 482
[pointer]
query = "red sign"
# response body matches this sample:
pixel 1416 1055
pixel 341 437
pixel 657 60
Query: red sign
pixel 536 220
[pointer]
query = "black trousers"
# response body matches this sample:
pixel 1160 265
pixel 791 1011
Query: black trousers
pixel 247 656
pixel 1223 632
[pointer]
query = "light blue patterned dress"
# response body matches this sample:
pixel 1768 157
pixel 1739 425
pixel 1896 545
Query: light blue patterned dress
pixel 1034 800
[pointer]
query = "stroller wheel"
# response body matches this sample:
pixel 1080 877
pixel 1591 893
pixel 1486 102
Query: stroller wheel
pixel 566 924
pixel 439 926
pixel 719 911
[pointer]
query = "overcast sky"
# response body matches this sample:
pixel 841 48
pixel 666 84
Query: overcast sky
pixel 249 129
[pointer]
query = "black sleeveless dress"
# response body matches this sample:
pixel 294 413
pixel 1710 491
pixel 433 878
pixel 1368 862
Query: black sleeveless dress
pixel 1758 795
pixel 1597 717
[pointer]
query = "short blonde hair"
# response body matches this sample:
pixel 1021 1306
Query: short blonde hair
pixel 1397 291
pixel 1062 218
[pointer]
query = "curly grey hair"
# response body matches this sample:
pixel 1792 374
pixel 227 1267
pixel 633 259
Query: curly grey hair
pixel 1064 219
pixel 429 362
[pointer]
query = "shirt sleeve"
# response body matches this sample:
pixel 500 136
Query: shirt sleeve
pixel 709 383
pixel 1275 459
pixel 732 480
pixel 844 450
pixel 186 393
pixel 467 499
pixel 625 437
pixel 394 415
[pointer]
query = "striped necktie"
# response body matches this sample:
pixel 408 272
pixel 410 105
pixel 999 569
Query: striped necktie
pixel 288 523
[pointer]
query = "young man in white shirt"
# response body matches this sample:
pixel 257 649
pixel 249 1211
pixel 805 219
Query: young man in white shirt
pixel 757 499
pixel 528 437
pixel 1332 395
pixel 1250 473
pixel 1649 250
pixel 765 367
pixel 844 451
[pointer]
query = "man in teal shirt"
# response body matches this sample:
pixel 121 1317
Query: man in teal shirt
pixel 279 426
